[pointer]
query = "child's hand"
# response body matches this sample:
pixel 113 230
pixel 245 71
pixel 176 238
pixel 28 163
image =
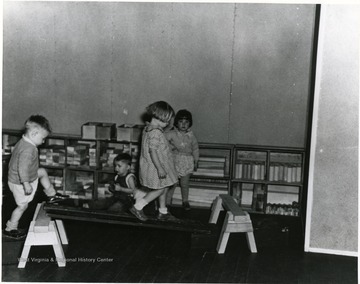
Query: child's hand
pixel 118 187
pixel 161 173
pixel 27 188
pixel 195 166
pixel 112 187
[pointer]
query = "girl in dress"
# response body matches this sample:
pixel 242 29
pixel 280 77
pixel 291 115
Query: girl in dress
pixel 185 149
pixel 157 170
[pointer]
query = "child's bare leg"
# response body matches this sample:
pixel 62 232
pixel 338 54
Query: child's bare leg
pixel 184 184
pixel 162 201
pixel 16 215
pixel 45 182
pixel 164 214
pixel 170 194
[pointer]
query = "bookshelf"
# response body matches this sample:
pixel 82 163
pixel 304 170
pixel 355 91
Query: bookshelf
pixel 268 180
pixel 264 180
pixel 212 176
pixel 80 168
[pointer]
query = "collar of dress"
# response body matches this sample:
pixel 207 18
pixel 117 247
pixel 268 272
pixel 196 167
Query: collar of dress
pixel 150 127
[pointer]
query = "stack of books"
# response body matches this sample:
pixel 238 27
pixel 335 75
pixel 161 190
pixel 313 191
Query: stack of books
pixel 107 158
pixel 202 193
pixel 77 155
pixel 211 166
pixel 52 156
pixel 57 182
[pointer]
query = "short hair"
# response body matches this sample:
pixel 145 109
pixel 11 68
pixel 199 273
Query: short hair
pixel 183 114
pixel 37 121
pixel 160 110
pixel 124 157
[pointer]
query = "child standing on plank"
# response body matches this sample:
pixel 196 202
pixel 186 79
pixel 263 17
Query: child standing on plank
pixel 124 186
pixel 185 149
pixel 24 173
pixel 157 170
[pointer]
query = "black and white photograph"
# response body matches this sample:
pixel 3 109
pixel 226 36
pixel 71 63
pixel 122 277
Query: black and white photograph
pixel 180 142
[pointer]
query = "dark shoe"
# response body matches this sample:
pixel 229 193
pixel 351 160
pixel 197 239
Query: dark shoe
pixel 166 217
pixel 138 214
pixel 186 205
pixel 15 234
pixel 57 198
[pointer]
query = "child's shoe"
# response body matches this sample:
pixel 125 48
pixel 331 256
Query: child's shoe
pixel 15 234
pixel 138 214
pixel 57 198
pixel 166 217
pixel 186 205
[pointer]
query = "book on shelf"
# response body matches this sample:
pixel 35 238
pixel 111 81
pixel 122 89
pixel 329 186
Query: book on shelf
pixel 252 156
pixel 200 196
pixel 77 155
pixel 52 156
pixel 211 165
pixel 285 172
pixel 209 185
pixel 282 194
pixel 107 158
pixel 250 170
pixel 208 174
pixel 212 159
pixel 209 180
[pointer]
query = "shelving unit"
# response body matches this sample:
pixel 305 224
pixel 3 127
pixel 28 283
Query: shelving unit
pixel 212 176
pixel 268 180
pixel 264 180
pixel 80 168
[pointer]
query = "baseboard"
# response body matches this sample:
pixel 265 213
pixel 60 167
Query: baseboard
pixel 331 251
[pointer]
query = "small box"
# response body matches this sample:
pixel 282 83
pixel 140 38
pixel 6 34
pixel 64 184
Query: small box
pixel 129 132
pixel 98 130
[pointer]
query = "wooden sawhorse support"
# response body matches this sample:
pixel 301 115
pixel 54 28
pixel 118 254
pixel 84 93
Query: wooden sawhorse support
pixel 43 231
pixel 236 221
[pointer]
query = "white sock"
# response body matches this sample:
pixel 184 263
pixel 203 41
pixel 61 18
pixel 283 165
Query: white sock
pixel 163 210
pixel 140 204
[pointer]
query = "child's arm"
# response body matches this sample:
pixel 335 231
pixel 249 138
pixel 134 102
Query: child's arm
pixel 156 161
pixel 123 189
pixel 24 163
pixel 130 182
pixel 27 188
pixel 195 151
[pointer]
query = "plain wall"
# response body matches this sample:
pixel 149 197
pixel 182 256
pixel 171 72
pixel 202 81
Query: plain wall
pixel 243 70
pixel 333 188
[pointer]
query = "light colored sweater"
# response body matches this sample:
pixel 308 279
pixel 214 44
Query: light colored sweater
pixel 24 162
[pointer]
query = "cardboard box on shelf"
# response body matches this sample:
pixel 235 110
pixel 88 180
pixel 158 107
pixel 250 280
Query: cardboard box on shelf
pixel 129 132
pixel 98 130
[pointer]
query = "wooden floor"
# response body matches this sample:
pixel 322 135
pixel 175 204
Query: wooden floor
pixel 112 253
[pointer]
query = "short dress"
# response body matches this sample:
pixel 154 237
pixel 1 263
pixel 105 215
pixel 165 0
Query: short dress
pixel 185 150
pixel 153 138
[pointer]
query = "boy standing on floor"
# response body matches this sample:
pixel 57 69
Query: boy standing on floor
pixel 24 173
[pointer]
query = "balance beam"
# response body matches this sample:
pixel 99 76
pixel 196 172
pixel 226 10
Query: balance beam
pixel 123 218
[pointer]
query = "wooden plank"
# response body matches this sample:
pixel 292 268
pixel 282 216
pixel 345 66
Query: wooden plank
pixel 92 215
pixel 42 221
pixel 230 205
pixel 215 210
